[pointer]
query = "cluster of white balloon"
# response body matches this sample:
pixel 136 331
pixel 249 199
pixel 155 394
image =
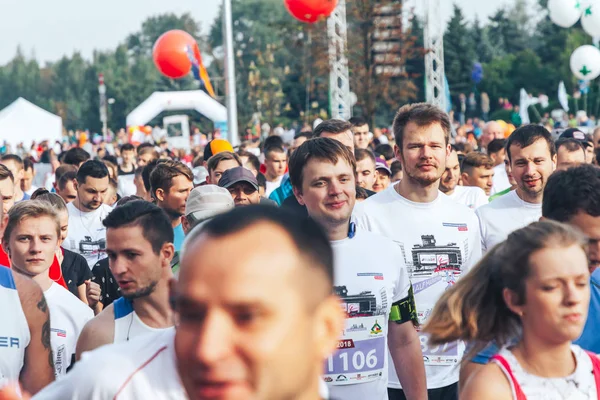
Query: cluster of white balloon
pixel 585 60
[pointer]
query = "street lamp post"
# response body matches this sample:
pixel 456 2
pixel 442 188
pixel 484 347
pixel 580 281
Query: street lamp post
pixel 231 96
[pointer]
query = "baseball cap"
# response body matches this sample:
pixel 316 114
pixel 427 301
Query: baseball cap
pixel 382 165
pixel 216 146
pixel 208 201
pixel 200 175
pixel 237 174
pixel 574 133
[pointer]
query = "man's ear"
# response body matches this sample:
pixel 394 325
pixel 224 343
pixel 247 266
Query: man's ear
pixel 159 194
pixel 464 177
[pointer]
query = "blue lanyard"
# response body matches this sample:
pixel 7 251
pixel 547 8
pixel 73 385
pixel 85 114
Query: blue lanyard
pixel 351 230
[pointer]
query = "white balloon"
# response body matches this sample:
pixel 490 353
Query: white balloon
pixel 564 13
pixel 590 18
pixel 585 62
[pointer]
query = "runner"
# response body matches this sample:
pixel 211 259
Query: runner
pixel 76 156
pixel 140 247
pixel 537 282
pixel 171 183
pixel 469 196
pixel 383 177
pixel 236 320
pixel 204 203
pixel 220 163
pixel 360 130
pixel 146 154
pixel 336 129
pixel 126 171
pixel 31 236
pixel 26 356
pixel 438 237
pixel 510 179
pixel 28 174
pixel 7 189
pixel 241 185
pixel 569 153
pixel 532 158
pixel 365 168
pixel 367 272
pixel 477 171
pixel 276 164
pixel 87 235
pixel 15 164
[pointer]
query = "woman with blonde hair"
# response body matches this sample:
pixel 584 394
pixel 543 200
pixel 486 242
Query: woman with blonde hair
pixel 529 295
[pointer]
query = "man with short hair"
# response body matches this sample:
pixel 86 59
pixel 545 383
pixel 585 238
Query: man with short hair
pixel 532 157
pixel 204 203
pixel 360 130
pixel 299 139
pixel 26 359
pixel 569 153
pixel 171 183
pixel 439 238
pixel 7 188
pixel 582 138
pixel 365 168
pixel 470 196
pixel 146 154
pixel 237 319
pixel 336 129
pixel 28 174
pixel 139 244
pixel 496 150
pixel 65 186
pixel 250 161
pixel 242 186
pixel 322 174
pixel 76 156
pixel 477 170
pixel 87 235
pixel 220 163
pixel 126 171
pixel 276 164
pixel 15 164
pixel 31 237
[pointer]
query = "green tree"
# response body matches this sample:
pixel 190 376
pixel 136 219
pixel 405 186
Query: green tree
pixel 458 53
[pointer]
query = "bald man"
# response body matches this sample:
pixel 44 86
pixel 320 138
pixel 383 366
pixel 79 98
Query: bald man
pixel 492 130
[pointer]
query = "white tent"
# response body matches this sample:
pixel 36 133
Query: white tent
pixel 24 122
pixel 170 101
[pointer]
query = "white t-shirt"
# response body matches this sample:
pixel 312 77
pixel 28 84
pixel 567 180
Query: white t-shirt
pixel 470 196
pixel 87 235
pixel 439 242
pixel 369 277
pixel 68 315
pixel 139 369
pixel 271 186
pixel 503 216
pixel 126 186
pixel 500 181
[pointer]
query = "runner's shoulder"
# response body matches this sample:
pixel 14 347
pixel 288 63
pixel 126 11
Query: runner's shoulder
pixel 489 382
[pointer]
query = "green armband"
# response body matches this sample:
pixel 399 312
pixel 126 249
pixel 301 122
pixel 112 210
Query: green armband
pixel 405 310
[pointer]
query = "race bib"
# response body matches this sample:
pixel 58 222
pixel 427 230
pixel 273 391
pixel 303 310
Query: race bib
pixel 445 354
pixel 361 352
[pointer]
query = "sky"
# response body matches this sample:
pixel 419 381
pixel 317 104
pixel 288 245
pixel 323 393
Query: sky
pixel 50 29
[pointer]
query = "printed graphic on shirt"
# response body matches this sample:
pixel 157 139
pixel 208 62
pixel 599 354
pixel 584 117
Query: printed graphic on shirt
pixel 435 266
pixel 89 248
pixel 361 355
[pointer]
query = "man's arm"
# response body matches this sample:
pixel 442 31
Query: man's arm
pixel 405 349
pixel 38 366
pixel 97 332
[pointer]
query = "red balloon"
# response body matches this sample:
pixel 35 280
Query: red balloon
pixel 174 52
pixel 310 10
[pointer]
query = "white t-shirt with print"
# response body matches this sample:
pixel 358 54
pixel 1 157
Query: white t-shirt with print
pixel 68 315
pixel 271 186
pixel 503 216
pixel 439 242
pixel 87 235
pixel 471 196
pixel 369 277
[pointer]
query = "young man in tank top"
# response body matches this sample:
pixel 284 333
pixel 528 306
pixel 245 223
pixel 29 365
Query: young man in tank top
pixel 25 352
pixel 139 244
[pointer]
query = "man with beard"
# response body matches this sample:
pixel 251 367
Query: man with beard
pixel 470 196
pixel 532 157
pixel 439 237
pixel 323 178
pixel 87 235
pixel 171 183
pixel 139 244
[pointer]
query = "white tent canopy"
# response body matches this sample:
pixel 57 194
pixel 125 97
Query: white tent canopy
pixel 24 122
pixel 171 101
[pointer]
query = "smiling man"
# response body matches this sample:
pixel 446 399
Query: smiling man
pixel 532 157
pixel 470 196
pixel 323 178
